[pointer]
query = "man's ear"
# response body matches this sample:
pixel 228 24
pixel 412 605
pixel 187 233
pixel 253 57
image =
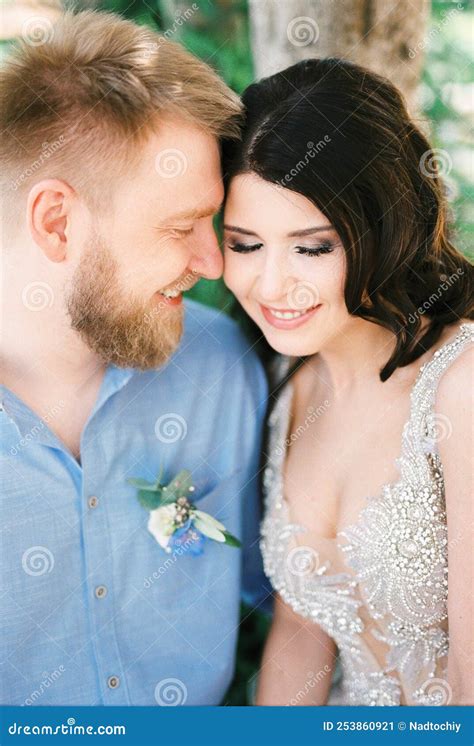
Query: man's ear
pixel 48 207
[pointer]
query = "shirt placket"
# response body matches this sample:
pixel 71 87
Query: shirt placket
pixel 102 593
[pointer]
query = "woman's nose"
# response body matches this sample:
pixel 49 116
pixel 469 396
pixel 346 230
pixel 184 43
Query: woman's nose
pixel 272 282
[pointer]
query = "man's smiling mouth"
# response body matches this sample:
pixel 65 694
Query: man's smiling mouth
pixel 173 295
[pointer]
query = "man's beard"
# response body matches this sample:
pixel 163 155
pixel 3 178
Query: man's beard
pixel 119 329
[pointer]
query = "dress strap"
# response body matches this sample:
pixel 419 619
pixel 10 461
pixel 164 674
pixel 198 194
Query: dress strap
pixel 426 427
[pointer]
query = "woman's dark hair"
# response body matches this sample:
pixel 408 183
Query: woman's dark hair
pixel 341 136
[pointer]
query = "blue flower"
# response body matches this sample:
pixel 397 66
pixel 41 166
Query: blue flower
pixel 188 538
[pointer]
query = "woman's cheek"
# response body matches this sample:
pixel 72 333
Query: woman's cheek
pixel 328 274
pixel 235 273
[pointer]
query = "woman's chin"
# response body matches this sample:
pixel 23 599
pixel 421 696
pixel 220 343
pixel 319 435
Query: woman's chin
pixel 290 347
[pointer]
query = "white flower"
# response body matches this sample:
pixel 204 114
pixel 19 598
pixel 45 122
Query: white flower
pixel 161 524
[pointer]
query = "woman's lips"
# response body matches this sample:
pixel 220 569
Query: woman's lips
pixel 294 318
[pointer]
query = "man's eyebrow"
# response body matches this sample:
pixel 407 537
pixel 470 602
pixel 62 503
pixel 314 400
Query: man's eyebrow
pixel 196 214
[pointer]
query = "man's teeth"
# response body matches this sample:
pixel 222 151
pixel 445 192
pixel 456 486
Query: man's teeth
pixel 171 293
pixel 288 314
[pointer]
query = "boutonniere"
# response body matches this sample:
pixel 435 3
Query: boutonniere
pixel 174 519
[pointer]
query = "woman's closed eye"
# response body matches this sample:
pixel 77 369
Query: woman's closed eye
pixel 323 248
pixel 244 248
pixel 326 247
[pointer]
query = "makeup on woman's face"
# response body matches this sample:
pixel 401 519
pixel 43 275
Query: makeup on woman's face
pixel 285 263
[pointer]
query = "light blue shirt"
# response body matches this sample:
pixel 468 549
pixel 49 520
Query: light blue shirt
pixel 92 610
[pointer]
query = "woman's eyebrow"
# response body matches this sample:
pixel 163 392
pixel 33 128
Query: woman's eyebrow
pixel 294 234
pixel 309 231
pixel 236 229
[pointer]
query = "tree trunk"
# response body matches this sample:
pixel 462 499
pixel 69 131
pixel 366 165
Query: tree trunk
pixel 385 37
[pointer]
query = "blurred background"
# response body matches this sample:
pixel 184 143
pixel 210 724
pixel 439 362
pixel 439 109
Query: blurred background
pixel 426 48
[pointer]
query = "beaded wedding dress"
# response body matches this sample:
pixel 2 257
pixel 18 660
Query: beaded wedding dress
pixel 379 589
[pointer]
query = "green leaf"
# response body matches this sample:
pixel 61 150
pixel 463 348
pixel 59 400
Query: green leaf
pixel 180 485
pixel 142 484
pixel 231 540
pixel 158 479
pixel 166 498
pixel 149 500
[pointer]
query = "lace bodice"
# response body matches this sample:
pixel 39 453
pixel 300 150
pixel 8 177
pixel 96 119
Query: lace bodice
pixel 379 590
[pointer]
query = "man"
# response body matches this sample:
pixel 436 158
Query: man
pixel 111 180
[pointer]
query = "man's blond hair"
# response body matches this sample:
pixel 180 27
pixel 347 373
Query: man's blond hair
pixel 76 106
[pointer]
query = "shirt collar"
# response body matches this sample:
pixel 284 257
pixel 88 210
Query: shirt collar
pixel 30 424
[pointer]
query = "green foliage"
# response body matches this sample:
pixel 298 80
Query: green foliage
pixel 214 30
pixel 152 495
pixel 446 89
pixel 254 628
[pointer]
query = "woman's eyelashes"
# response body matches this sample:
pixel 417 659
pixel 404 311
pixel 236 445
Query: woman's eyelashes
pixel 323 248
pixel 244 248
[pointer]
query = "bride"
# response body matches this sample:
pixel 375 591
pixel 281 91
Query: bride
pixel 337 247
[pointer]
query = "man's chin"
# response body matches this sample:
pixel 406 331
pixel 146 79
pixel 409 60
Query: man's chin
pixel 150 353
pixel 119 330
pixel 146 345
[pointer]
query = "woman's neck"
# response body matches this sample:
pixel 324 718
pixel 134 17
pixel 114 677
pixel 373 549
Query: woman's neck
pixel 357 354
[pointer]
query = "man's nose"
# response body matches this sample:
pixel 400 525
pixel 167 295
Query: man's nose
pixel 207 258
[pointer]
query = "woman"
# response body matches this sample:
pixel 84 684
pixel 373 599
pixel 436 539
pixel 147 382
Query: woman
pixel 336 245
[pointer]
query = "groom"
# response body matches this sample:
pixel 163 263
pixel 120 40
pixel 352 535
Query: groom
pixel 112 178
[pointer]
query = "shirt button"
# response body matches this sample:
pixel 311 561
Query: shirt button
pixel 113 682
pixel 101 591
pixel 93 501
